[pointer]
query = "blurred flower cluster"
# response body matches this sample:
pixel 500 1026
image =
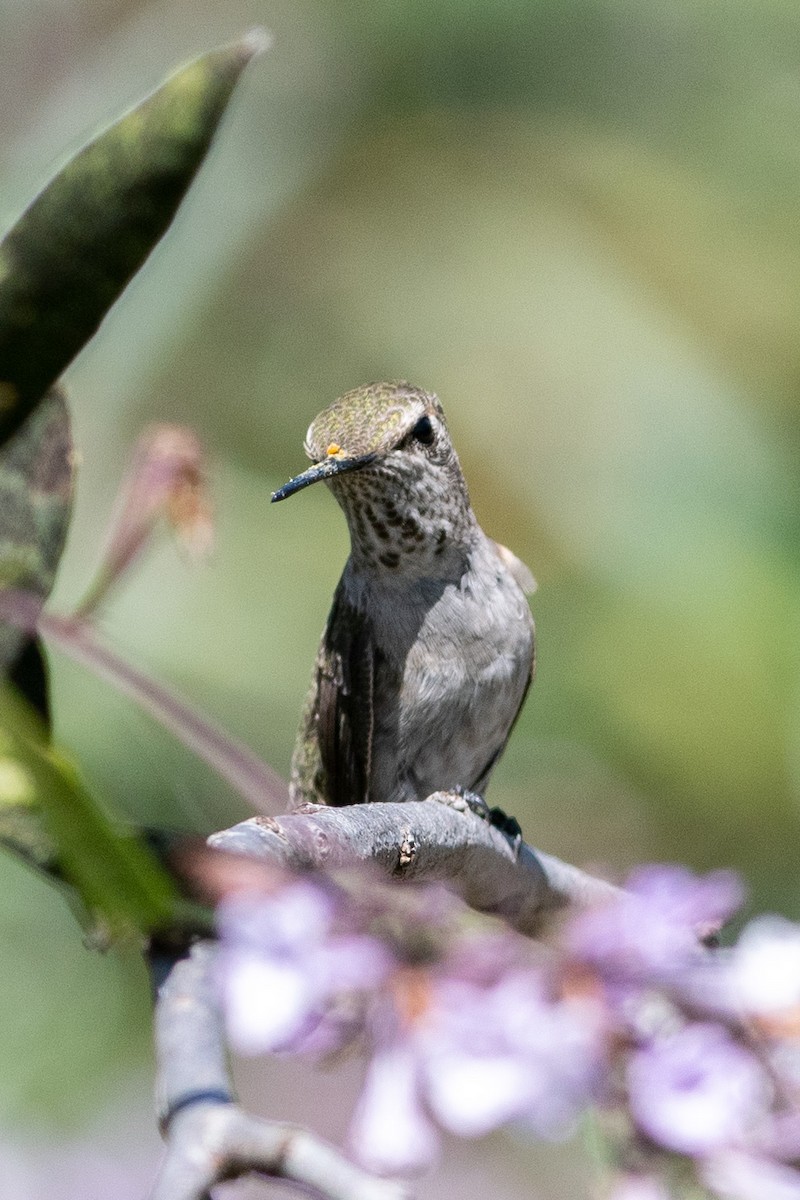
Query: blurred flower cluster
pixel 687 1055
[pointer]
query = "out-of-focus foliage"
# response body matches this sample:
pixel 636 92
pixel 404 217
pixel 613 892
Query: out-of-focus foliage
pixel 62 266
pixel 68 257
pixel 47 815
pixel 576 221
pixel 36 484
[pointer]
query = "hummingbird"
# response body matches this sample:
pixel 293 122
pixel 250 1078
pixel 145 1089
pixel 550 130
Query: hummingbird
pixel 428 651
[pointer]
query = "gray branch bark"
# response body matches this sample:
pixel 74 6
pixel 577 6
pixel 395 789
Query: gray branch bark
pixel 424 841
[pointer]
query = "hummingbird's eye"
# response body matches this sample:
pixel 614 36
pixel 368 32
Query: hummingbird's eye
pixel 423 431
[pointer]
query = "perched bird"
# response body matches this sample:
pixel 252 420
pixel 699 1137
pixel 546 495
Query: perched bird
pixel 429 647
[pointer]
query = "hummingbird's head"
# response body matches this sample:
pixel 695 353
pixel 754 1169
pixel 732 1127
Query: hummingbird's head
pixel 385 452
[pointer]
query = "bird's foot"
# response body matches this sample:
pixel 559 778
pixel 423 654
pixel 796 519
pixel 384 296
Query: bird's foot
pixel 510 826
pixel 462 800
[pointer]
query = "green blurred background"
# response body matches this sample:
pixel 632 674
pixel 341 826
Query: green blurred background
pixel 577 222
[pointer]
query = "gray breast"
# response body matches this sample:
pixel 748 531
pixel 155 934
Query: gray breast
pixel 456 668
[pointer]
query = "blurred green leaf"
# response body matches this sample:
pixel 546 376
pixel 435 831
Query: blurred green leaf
pixel 73 251
pixel 119 882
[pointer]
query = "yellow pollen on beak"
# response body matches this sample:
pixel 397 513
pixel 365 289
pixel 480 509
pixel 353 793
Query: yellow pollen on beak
pixel 334 448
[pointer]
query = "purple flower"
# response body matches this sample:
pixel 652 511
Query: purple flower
pixel 390 1132
pixel 652 931
pixel 759 980
pixel 473 1057
pixel 696 1090
pixel 639 1187
pixel 736 1176
pixel 494 1053
pixel 763 971
pixel 282 967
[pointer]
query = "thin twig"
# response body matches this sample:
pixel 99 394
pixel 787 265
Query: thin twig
pixel 234 762
pixel 257 783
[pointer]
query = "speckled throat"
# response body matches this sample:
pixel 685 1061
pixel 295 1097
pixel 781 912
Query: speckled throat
pixel 402 521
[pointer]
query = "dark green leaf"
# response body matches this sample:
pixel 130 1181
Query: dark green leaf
pixel 36 485
pixel 72 253
pixel 30 677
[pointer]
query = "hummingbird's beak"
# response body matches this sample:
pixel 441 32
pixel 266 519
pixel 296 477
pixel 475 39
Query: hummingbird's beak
pixel 322 470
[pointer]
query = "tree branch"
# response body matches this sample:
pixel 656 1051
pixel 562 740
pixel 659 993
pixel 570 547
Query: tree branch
pixel 423 841
pixel 209 1137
